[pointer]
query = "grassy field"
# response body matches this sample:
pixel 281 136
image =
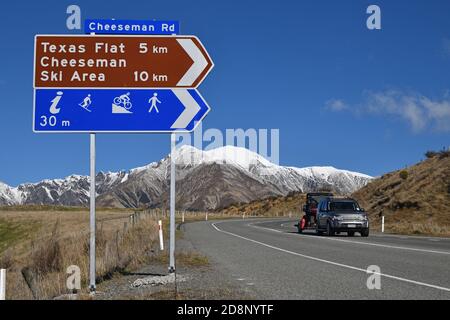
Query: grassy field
pixel 45 241
pixel 38 243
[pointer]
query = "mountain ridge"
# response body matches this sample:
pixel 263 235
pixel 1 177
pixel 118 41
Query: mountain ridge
pixel 206 180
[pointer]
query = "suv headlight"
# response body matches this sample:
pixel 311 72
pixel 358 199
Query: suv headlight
pixel 364 218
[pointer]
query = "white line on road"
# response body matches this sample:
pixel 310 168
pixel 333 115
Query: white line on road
pixel 331 262
pixel 385 235
pixel 253 225
pixel 357 242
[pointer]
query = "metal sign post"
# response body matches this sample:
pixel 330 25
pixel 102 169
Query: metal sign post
pixel 172 203
pixel 92 216
pixel 120 83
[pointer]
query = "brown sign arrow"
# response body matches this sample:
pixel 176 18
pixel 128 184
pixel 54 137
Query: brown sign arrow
pixel 93 61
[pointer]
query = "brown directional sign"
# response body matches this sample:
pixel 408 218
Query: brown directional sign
pixel 93 61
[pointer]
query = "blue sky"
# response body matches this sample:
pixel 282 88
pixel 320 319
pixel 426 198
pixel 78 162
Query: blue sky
pixel 341 95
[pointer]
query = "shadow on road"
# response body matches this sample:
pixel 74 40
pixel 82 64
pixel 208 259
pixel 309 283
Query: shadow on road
pixel 313 234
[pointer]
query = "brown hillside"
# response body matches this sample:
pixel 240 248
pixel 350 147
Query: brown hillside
pixel 413 200
pixel 273 206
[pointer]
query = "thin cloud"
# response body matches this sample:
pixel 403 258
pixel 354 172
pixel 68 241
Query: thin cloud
pixel 336 105
pixel 420 112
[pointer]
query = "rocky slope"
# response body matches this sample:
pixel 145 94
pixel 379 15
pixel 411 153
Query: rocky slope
pixel 206 180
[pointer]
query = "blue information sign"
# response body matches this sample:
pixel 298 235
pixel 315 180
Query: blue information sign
pixel 117 110
pixel 112 26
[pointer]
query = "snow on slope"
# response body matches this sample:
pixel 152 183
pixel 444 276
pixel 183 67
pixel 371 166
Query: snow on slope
pixel 285 179
pixel 9 195
pixel 74 190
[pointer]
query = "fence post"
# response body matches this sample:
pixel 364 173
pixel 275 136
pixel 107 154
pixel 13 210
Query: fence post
pixel 2 284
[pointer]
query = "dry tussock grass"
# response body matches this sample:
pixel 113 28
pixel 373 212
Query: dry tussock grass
pixel 414 203
pixel 270 207
pixel 40 273
pixel 61 239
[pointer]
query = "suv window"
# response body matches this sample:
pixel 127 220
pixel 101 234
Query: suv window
pixel 344 206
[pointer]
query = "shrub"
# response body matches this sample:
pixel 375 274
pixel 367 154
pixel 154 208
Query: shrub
pixel 442 154
pixel 46 254
pixel 430 154
pixel 7 259
pixel 404 174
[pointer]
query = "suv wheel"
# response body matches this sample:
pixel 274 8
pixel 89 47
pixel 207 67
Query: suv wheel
pixel 330 231
pixel 351 233
pixel 365 233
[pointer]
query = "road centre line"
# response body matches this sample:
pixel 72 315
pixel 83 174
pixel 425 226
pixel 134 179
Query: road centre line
pixel 356 242
pixel 331 262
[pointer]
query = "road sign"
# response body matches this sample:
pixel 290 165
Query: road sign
pixel 98 84
pixel 117 110
pixel 117 61
pixel 112 26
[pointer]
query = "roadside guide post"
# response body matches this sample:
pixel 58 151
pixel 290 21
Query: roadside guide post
pixel 161 240
pixel 2 284
pixel 382 223
pixel 120 83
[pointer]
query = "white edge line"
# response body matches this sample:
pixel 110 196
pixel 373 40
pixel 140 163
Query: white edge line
pixel 333 263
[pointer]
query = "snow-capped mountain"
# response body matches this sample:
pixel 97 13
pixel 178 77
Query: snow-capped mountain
pixel 9 195
pixel 205 180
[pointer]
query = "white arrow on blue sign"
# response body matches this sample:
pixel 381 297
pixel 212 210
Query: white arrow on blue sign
pixel 117 110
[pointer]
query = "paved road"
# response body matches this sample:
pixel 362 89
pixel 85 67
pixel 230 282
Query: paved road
pixel 275 262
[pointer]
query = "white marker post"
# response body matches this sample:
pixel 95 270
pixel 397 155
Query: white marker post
pixel 92 218
pixel 2 284
pixel 206 216
pixel 172 203
pixel 382 224
pixel 182 217
pixel 161 240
